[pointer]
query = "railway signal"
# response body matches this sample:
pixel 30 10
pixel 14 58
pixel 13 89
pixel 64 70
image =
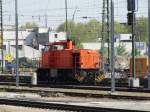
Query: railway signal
pixel 131 18
pixel 131 5
pixel 131 12
pixel 131 22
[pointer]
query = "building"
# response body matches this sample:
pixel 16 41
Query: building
pixel 123 37
pixel 24 48
pixel 30 41
pixel 120 39
pixel 56 37
pixel 38 36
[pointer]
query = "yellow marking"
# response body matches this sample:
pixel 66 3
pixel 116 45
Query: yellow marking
pixel 9 57
pixel 99 78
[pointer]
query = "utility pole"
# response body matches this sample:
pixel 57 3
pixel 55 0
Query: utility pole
pixel 149 43
pixel 2 52
pixel 108 30
pixel 112 49
pixel 73 16
pixel 103 31
pixel 17 60
pixel 133 46
pixel 66 9
pixel 105 28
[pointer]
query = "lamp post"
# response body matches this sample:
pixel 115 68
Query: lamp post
pixel 16 24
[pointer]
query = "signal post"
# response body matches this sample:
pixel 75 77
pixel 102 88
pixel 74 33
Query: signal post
pixel 133 81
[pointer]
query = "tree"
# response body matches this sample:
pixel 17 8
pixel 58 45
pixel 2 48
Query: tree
pixel 76 41
pixel 29 25
pixel 85 32
pixel 104 51
pixel 137 52
pixel 121 50
pixel 142 29
pixel 91 31
pixel 121 28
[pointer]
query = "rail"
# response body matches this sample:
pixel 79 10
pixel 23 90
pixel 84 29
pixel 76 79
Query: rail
pixel 60 106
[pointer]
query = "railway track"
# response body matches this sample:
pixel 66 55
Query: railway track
pixel 104 88
pixel 82 87
pixel 60 106
pixel 78 92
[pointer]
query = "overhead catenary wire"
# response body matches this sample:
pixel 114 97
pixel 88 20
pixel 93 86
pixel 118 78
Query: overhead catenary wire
pixel 86 7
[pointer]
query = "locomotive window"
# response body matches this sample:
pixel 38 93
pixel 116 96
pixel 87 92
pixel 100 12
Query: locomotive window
pixel 56 36
pixel 59 47
pixel 46 48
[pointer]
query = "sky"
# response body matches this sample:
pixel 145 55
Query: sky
pixel 36 11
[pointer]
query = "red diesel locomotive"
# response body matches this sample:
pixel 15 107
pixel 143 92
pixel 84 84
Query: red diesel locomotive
pixel 61 61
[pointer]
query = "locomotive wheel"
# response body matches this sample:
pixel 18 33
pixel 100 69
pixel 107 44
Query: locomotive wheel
pixel 85 77
pixel 79 77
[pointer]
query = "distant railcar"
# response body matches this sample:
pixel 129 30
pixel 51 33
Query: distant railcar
pixel 141 67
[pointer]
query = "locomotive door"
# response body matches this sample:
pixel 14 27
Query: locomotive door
pixel 76 60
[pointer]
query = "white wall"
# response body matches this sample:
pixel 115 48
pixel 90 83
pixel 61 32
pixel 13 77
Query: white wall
pixel 93 46
pixel 26 51
pixel 11 35
pixel 31 53
pixel 97 46
pixel 60 36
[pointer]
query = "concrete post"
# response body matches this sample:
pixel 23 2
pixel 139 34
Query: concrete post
pixel 112 49
pixel 34 78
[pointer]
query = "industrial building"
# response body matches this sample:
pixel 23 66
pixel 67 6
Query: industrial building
pixel 120 39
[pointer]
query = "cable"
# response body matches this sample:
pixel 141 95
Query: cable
pixel 54 9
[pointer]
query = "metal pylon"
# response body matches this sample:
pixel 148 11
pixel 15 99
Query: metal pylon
pixel 105 28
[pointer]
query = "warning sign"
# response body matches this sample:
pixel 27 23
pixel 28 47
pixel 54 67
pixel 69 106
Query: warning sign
pixel 9 57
